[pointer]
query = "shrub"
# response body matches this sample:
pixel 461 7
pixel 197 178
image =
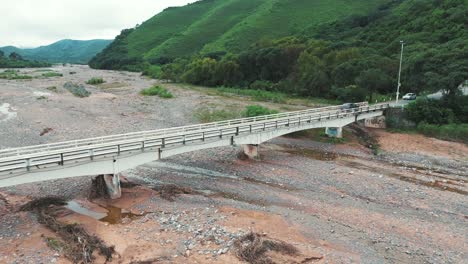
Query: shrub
pixel 258 110
pixel 261 85
pixel 76 89
pixel 13 75
pixel 52 74
pixel 152 71
pixel 429 111
pixel 454 132
pixel 95 81
pixel 206 115
pixel 157 90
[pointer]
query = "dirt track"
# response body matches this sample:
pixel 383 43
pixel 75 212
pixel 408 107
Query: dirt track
pixel 337 203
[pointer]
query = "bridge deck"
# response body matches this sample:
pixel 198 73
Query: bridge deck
pixel 23 160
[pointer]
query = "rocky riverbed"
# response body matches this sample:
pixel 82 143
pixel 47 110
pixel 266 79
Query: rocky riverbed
pixel 335 203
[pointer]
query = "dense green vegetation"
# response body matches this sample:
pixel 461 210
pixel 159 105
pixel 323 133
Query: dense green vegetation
pixel 446 118
pixel 63 51
pixel 14 75
pixel 157 90
pixel 453 132
pixel 206 115
pixel 95 81
pixel 52 74
pixel 15 60
pixel 258 110
pixel 219 26
pixel 352 58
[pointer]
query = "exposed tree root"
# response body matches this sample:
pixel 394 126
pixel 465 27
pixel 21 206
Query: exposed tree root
pixel 170 192
pixel 253 247
pixel 77 245
pixel 98 188
pixel 43 203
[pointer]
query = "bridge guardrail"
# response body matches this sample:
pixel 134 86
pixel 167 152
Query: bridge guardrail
pixel 127 136
pixel 81 150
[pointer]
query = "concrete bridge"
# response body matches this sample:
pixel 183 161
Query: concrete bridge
pixel 111 155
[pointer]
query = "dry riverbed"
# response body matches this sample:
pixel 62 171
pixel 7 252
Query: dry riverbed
pixel 333 203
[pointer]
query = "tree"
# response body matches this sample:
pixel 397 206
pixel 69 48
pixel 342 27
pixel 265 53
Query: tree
pixel 310 77
pixel 15 56
pixel 372 80
pixel 2 54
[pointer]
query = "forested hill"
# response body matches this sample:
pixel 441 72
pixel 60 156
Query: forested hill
pixel 209 26
pixel 346 50
pixel 63 51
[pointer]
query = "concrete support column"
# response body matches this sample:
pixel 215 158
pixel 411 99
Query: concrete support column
pixel 376 122
pixel 334 132
pixel 251 151
pixel 113 185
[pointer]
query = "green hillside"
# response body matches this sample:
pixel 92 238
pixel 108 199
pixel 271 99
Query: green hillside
pixel 221 25
pixel 63 51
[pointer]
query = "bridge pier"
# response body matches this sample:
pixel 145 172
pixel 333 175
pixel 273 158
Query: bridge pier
pixel 113 185
pixel 334 132
pixel 251 151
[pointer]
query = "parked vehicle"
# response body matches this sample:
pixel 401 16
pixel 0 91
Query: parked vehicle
pixel 349 106
pixel 409 96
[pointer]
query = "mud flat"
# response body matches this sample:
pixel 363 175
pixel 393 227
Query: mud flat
pixel 328 203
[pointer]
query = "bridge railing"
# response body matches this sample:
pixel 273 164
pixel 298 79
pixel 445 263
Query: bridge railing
pixel 135 135
pixel 154 140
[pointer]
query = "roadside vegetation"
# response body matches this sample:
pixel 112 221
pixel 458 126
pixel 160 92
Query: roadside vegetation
pixel 445 119
pixel 157 91
pixel 95 81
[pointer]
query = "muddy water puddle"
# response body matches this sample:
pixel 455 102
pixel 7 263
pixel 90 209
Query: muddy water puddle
pixel 113 216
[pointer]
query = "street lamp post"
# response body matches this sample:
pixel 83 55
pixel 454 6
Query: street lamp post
pixel 399 72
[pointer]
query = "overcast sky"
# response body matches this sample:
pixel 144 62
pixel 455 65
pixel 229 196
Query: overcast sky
pixel 32 23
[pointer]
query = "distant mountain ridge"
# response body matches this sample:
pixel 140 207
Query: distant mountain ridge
pixel 63 51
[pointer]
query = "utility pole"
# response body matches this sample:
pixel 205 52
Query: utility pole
pixel 399 72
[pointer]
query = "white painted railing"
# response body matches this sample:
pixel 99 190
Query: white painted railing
pixel 64 153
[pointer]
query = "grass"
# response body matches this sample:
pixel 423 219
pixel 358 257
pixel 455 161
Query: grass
pixel 55 244
pixel 113 85
pixel 95 81
pixel 52 74
pixel 257 95
pixel 206 115
pixel 14 75
pixel 157 91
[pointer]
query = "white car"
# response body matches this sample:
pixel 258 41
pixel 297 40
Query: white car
pixel 409 96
